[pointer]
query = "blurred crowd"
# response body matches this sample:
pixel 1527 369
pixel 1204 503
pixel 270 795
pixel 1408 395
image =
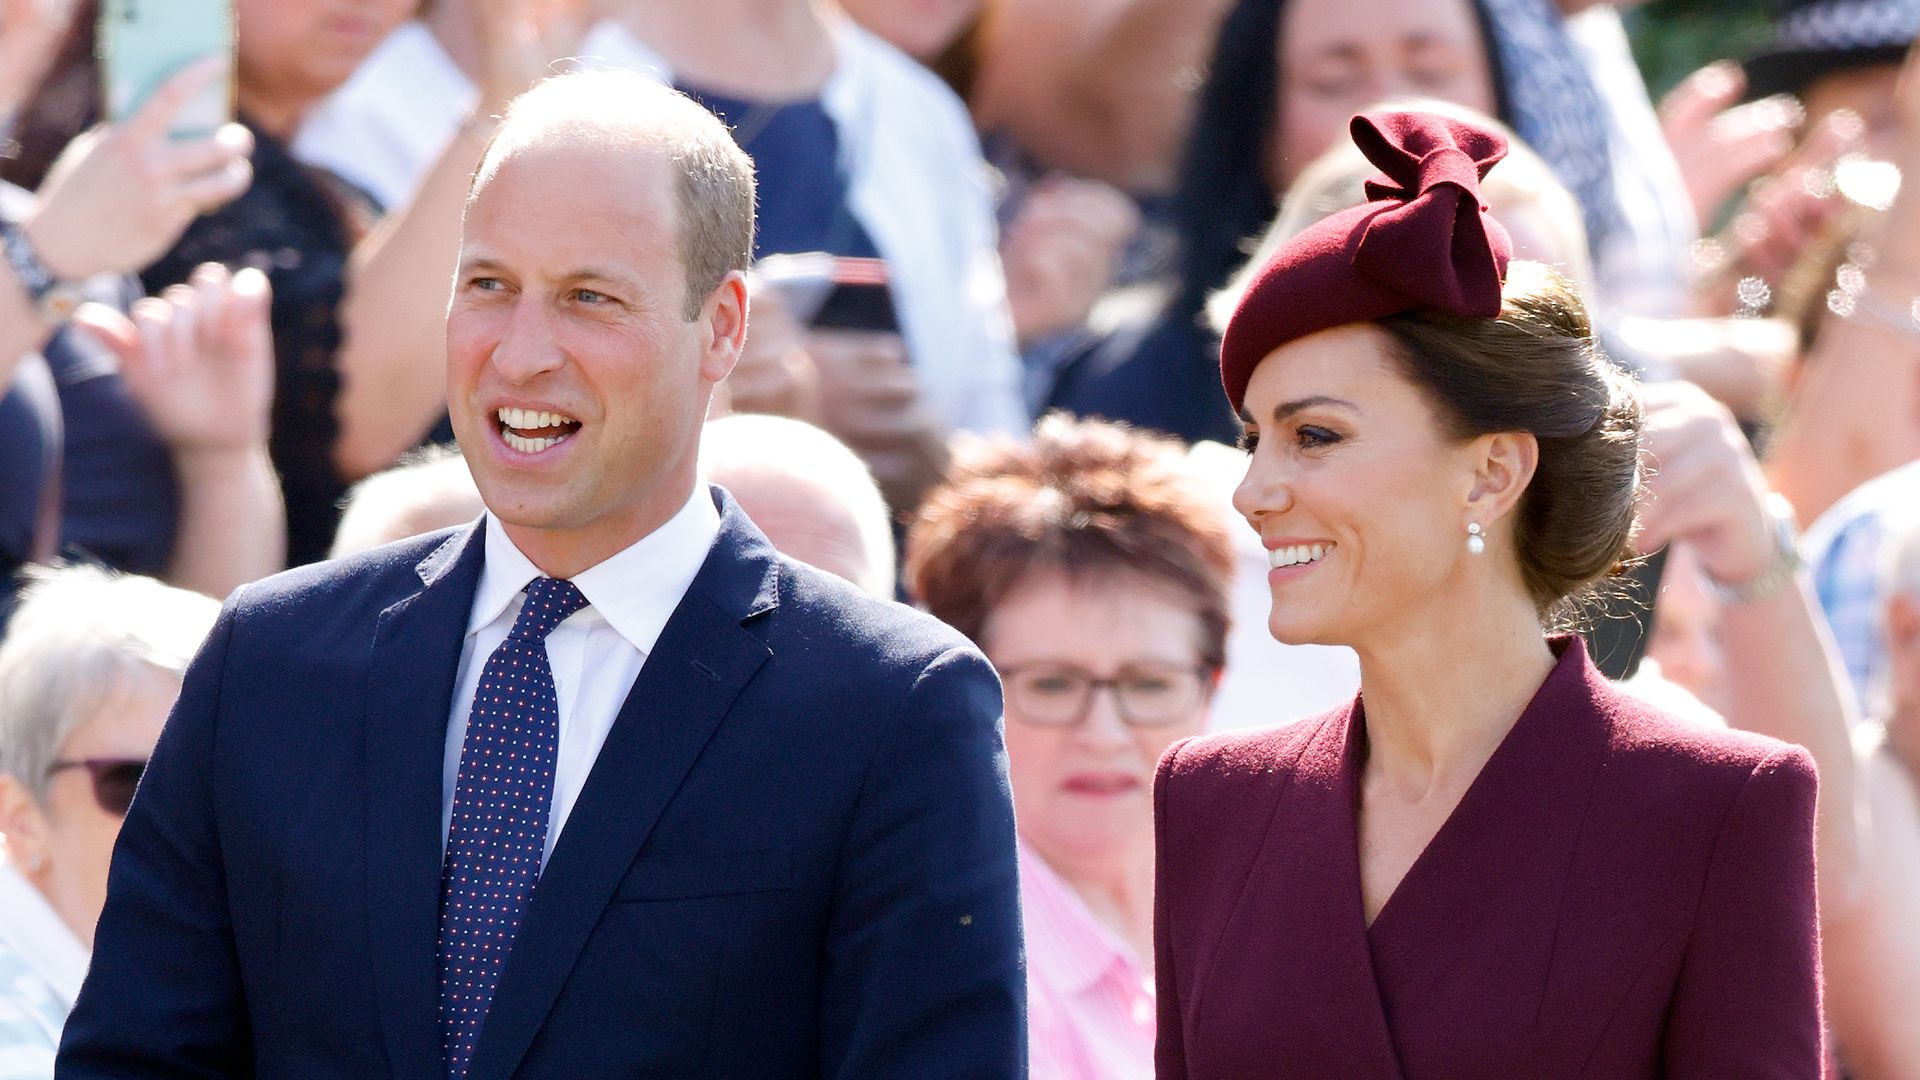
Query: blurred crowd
pixel 997 239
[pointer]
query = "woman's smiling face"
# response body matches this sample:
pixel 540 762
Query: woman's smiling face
pixel 1355 485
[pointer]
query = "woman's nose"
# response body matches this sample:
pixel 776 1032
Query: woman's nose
pixel 1261 493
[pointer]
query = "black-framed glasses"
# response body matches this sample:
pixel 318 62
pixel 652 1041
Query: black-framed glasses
pixel 114 780
pixel 1051 694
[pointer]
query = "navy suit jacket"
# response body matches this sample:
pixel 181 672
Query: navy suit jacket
pixel 794 856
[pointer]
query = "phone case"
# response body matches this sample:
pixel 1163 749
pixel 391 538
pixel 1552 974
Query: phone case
pixel 143 43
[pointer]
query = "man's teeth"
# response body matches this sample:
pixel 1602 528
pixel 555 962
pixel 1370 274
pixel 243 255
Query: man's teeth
pixel 530 446
pixel 532 420
pixel 1295 554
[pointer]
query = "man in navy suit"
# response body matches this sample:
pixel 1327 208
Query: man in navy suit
pixel 598 786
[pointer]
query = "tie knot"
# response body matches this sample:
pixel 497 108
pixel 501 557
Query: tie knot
pixel 549 601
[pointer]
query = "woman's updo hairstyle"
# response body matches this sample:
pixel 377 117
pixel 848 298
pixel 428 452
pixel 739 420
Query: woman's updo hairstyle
pixel 1535 368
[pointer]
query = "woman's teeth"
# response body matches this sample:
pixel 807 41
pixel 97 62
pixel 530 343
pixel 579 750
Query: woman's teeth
pixel 1295 554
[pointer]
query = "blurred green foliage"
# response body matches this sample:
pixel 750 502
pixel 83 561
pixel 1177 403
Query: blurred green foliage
pixel 1672 38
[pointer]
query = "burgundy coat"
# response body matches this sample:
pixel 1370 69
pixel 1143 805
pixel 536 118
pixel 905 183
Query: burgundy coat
pixel 1619 894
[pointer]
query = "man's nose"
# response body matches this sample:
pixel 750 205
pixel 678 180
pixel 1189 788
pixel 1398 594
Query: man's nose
pixel 527 345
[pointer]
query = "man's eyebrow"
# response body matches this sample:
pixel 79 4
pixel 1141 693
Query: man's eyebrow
pixel 1285 409
pixel 596 273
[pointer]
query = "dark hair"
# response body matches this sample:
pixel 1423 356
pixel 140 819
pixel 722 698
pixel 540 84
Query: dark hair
pixel 1092 499
pixel 1536 369
pixel 1223 201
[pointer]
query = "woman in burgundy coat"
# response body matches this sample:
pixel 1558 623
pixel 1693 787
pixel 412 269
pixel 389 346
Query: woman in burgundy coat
pixel 1491 864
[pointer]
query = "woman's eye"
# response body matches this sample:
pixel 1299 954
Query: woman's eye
pixel 1249 441
pixel 1311 437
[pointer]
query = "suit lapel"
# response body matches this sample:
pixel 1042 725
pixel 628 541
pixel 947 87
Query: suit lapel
pixel 416 658
pixel 1300 913
pixel 704 658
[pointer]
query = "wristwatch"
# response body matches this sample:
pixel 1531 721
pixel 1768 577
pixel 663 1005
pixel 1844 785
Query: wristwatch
pixel 54 297
pixel 1785 563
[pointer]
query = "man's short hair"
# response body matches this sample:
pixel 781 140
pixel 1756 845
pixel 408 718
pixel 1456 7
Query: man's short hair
pixel 714 178
pixel 79 633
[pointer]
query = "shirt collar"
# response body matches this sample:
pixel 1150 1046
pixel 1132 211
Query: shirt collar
pixel 635 590
pixel 1078 951
pixel 32 929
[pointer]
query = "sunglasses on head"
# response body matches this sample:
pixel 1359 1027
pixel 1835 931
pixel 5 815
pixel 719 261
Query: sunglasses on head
pixel 114 780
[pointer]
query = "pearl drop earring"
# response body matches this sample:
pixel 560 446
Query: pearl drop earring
pixel 1476 538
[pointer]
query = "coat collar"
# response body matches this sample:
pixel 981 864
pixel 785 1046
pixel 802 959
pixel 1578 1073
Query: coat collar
pixel 1483 897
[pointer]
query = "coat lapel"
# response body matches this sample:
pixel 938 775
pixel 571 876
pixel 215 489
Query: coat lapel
pixel 1300 913
pixel 416 657
pixel 1463 947
pixel 704 658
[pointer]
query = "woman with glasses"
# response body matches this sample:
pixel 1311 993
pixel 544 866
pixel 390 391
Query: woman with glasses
pixel 90 666
pixel 1092 568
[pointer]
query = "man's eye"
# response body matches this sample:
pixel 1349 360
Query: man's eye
pixel 488 284
pixel 590 296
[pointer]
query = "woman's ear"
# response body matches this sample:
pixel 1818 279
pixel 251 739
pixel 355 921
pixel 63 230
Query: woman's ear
pixel 24 826
pixel 1503 466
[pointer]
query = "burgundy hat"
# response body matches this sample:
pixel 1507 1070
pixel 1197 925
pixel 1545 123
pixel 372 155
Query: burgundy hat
pixel 1424 241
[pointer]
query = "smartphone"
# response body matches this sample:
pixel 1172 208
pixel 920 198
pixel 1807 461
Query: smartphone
pixel 860 299
pixel 143 43
pixel 832 292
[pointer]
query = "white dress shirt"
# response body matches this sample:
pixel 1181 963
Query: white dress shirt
pixel 596 653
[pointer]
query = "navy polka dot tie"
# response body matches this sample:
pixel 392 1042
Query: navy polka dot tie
pixel 500 806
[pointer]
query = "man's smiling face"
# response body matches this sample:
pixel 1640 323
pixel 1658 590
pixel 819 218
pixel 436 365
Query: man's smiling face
pixel 576 382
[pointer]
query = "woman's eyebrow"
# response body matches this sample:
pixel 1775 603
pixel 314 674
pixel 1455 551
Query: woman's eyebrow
pixel 1288 408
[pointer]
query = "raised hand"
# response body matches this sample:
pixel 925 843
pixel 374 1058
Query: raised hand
pixel 1061 251
pixel 1720 144
pixel 870 399
pixel 119 196
pixel 520 41
pixel 1704 486
pixel 198 359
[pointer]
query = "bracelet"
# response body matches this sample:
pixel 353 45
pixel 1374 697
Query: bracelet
pixel 1785 564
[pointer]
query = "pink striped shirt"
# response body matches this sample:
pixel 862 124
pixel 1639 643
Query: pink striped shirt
pixel 1090 1012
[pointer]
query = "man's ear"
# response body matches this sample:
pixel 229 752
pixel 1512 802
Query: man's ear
pixel 724 324
pixel 1503 466
pixel 24 825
